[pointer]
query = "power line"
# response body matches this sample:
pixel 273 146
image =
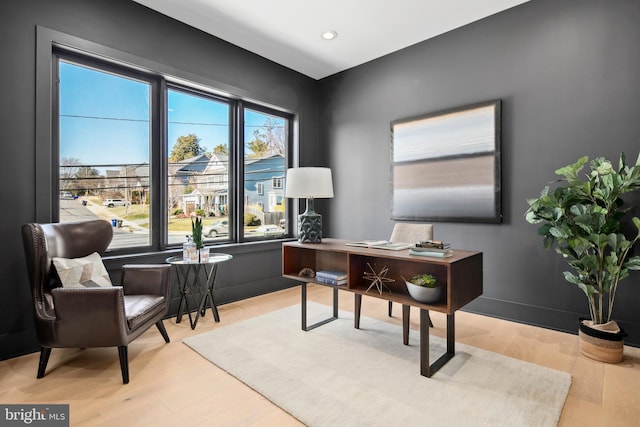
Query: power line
pixel 118 119
pixel 122 119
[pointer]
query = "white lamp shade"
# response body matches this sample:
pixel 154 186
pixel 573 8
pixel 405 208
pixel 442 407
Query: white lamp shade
pixel 309 183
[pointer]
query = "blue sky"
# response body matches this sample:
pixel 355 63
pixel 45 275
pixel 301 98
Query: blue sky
pixel 104 118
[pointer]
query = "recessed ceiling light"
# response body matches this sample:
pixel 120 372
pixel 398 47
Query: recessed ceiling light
pixel 329 35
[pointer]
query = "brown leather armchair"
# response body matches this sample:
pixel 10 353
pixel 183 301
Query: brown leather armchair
pixel 96 316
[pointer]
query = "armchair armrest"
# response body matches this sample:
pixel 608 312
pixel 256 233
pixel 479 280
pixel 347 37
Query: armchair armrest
pixel 146 279
pixel 90 317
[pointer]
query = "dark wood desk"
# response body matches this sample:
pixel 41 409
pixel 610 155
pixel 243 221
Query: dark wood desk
pixel 461 276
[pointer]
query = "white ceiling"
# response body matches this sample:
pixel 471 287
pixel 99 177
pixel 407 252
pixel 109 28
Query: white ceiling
pixel 288 31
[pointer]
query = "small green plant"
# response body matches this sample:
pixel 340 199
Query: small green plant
pixel 424 280
pixel 196 231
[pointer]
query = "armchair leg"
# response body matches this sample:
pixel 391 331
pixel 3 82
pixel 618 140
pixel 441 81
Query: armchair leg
pixel 163 331
pixel 124 363
pixel 45 352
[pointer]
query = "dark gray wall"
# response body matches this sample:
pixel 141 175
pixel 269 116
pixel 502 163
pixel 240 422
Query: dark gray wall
pixel 182 51
pixel 568 73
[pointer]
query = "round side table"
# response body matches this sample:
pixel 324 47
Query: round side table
pixel 189 282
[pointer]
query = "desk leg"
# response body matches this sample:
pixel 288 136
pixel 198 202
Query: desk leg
pixel 406 315
pixel 303 304
pixel 356 310
pixel 425 368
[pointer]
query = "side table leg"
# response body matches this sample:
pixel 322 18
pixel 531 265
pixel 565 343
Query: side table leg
pixel 183 285
pixel 208 294
pixel 357 310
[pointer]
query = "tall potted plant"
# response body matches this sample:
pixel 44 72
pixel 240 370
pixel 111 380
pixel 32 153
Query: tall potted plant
pixel 196 233
pixel 583 219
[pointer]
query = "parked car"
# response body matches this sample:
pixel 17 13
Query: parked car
pixel 66 195
pixel 115 202
pixel 268 230
pixel 217 228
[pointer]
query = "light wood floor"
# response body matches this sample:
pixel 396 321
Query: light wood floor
pixel 171 385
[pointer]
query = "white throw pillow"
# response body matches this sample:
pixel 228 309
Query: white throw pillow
pixel 86 272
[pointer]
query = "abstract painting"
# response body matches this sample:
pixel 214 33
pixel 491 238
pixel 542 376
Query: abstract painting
pixel 446 165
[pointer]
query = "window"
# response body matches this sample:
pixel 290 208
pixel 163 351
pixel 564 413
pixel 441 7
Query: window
pixel 166 153
pixel 198 176
pixel 265 143
pixel 104 150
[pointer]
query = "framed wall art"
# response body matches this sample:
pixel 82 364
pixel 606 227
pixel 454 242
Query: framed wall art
pixel 445 166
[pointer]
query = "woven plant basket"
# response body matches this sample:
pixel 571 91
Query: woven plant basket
pixel 604 343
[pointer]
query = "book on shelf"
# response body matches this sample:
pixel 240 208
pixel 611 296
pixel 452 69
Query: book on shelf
pixel 366 243
pixel 332 274
pixel 431 252
pixel 328 281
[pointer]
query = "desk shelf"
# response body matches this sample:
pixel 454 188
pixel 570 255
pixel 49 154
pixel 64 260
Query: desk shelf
pixel 463 271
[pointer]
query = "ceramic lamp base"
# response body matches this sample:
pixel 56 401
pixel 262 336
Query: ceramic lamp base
pixel 310 225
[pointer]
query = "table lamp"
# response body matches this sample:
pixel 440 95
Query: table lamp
pixel 309 183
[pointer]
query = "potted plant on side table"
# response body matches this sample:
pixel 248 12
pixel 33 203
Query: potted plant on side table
pixel 583 218
pixel 196 233
pixel 424 288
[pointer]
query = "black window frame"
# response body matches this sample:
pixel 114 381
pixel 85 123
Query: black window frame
pixel 52 45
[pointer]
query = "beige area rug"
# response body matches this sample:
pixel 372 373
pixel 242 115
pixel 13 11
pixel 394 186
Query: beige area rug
pixel 336 375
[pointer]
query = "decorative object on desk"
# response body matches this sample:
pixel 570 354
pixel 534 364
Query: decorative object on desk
pixel 309 183
pixel 307 272
pixel 424 288
pixel 584 219
pixel 378 279
pixel 445 166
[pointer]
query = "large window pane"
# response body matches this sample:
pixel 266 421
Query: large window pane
pixel 265 143
pixel 198 135
pixel 104 156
